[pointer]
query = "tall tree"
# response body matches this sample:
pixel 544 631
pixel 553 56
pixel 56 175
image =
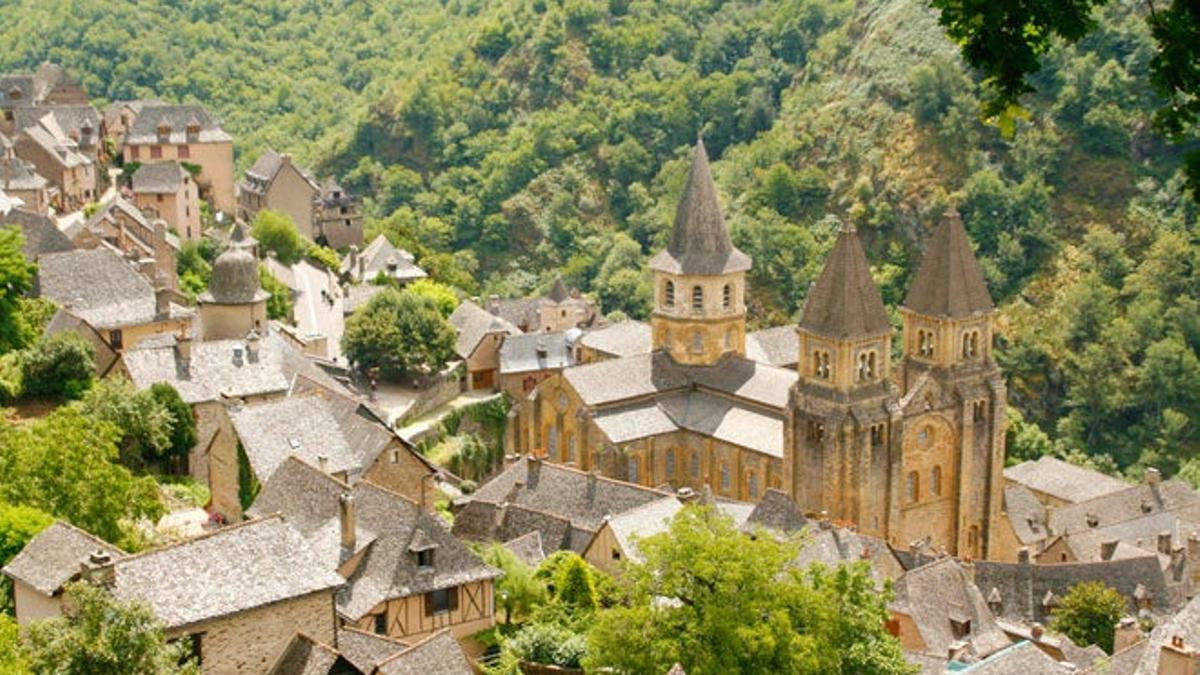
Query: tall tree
pixel 400 332
pixel 16 278
pixel 1089 614
pixel 276 232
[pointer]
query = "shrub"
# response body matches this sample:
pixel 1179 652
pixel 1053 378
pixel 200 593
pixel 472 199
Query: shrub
pixel 58 366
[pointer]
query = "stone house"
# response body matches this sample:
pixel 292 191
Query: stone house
pixel 48 85
pixel 46 564
pixel 102 288
pixel 81 123
pixel 119 116
pixel 480 336
pixel 19 179
pixel 65 164
pixel 337 434
pixel 616 540
pixel 240 593
pixel 1057 483
pixel 406 575
pixel 939 611
pixel 186 133
pixel 527 360
pixel 379 257
pixel 167 189
pixel 41 233
pixel 321 213
pixel 125 227
pixel 909 453
pixel 615 341
pixel 558 310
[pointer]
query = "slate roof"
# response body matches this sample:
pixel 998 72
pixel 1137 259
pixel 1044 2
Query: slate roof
pixel 777 512
pixel 305 656
pixel 1063 480
pixel 528 548
pixel 555 491
pixel 358 295
pixel 949 282
pixel 53 557
pixel 629 423
pixel 1136 537
pixel 760 383
pixel 520 353
pixel 213 373
pixel 144 128
pixel 940 592
pixel 700 243
pixel 727 421
pixel 72 119
pixel 778 346
pixel 234 279
pixel 1022 658
pixel 23 84
pixel 99 287
pixel 1134 501
pixel 1023 587
pixel 844 302
pixel 473 323
pixel 627 338
pixel 41 233
pixel 304 426
pixel 159 178
pixel 641 522
pixel 833 546
pixel 1026 513
pixel 439 654
pixel 365 650
pixel 387 526
pixel 621 379
pixel 56 143
pixel 376 257
pixel 17 174
pixel 1185 625
pixel 257 563
pixel 104 355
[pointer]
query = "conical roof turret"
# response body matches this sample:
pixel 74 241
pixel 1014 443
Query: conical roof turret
pixel 558 292
pixel 949 282
pixel 845 302
pixel 700 243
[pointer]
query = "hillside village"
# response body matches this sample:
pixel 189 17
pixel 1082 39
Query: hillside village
pixel 350 525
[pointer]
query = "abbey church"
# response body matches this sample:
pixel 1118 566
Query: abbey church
pixel 910 452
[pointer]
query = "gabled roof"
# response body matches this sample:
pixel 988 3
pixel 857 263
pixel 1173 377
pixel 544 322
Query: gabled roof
pixel 1022 658
pixel 267 167
pixel 55 142
pixel 778 346
pixel 1026 514
pixel 64 321
pixel 366 650
pixel 845 302
pixel 305 656
pixel 833 546
pixel 641 522
pixel 528 548
pixel 302 426
pixel 777 512
pixel 939 592
pixel 439 654
pixel 473 323
pixel 1135 501
pixel 99 287
pixel 700 242
pixel 365 265
pixel 949 282
pixel 627 338
pixel 159 178
pixel 235 569
pixel 80 123
pixel 17 175
pixel 1062 480
pixel 176 118
pixel 41 233
pixel 1184 625
pixel 53 557
pixel 535 352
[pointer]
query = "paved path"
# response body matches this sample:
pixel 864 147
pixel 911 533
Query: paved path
pixel 416 430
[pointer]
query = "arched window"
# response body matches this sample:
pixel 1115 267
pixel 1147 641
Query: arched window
pixel 669 294
pixel 912 487
pixel 697 298
pixel 727 296
pixel 925 341
pixel 725 476
pixel 552 443
pixel 669 461
pixel 861 374
pixel 752 486
pixel 935 481
pixel 697 342
pixel 871 372
pixel 822 368
pixel 633 470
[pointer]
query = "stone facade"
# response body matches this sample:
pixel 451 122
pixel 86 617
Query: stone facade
pixel 699 319
pixel 399 470
pixel 30 605
pixel 215 160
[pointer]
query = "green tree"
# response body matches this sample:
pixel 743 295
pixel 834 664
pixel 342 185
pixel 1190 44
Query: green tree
pixel 248 485
pixel 66 465
pixel 574 586
pixel 144 423
pixel 279 304
pixel 18 524
pixel 58 366
pixel 738 605
pixel 100 635
pixel 16 279
pixel 1089 614
pixel 183 422
pixel 276 232
pixel 12 656
pixel 400 332
pixel 518 592
pixel 443 295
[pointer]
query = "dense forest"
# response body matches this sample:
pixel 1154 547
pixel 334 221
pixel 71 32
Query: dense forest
pixel 506 141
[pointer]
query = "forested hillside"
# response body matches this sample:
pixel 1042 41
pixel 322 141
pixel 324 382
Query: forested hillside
pixel 505 141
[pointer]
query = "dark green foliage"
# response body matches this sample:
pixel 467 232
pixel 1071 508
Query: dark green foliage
pixel 548 644
pixel 100 635
pixel 58 366
pixel 183 423
pixel 145 423
pixel 276 232
pixel 1089 614
pixel 18 524
pixel 399 332
pixel 16 278
pixel 574 586
pixel 279 304
pixel 475 460
pixel 518 591
pixel 248 485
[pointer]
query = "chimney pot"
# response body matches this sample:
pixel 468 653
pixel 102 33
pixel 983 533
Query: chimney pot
pixel 348 520
pixel 1037 630
pixel 533 469
pixel 1023 556
pixel 183 346
pixel 1153 476
pixel 323 463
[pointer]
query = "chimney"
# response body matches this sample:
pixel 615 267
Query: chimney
pixel 591 486
pixel 542 352
pixel 968 567
pixel 252 341
pixel 1093 520
pixel 323 463
pixel 533 470
pixel 1127 633
pixel 1107 549
pixel 1036 631
pixel 183 346
pixel 494 304
pixel 348 519
pixel 285 159
pixel 85 133
pixel 1152 476
pixel 1177 658
pixel 1023 556
pixel 1164 543
pixel 97 569
pixel 162 297
pixel 237 356
pixel 353 256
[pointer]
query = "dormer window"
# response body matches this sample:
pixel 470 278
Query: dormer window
pixel 425 558
pixel 164 130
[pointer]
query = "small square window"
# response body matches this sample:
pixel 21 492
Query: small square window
pixel 381 624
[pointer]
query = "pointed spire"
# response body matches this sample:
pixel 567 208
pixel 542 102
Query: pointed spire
pixel 845 302
pixel 700 241
pixel 949 282
pixel 558 292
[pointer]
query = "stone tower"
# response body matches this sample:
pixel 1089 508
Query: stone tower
pixel 841 401
pixel 234 304
pixel 953 402
pixel 700 278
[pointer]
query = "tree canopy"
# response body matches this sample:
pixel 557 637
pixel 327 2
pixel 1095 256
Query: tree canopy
pixel 16 278
pixel 1089 614
pixel 399 332
pixel 276 233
